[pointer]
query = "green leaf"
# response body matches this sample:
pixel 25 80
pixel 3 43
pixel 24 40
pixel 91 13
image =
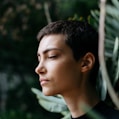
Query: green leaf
pixel 91 113
pixel 115 59
pixel 50 103
pixel 116 3
pixel 67 116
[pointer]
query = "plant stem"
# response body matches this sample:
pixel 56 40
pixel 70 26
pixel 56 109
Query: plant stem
pixel 47 13
pixel 101 53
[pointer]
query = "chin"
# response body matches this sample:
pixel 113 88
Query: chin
pixel 48 92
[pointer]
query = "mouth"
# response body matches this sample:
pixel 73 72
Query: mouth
pixel 43 81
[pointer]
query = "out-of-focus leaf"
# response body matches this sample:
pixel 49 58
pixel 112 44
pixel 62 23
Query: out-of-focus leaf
pixel 116 3
pixel 112 27
pixel 116 49
pixel 117 73
pixel 101 86
pixel 50 103
pixel 95 14
pixel 111 46
pixel 111 10
pixel 91 113
pixel 67 116
pixel 115 59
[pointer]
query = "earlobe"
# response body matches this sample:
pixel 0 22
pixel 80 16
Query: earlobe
pixel 87 62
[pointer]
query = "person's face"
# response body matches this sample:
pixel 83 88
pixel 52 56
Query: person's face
pixel 58 71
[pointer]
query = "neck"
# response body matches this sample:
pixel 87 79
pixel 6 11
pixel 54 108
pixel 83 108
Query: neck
pixel 77 97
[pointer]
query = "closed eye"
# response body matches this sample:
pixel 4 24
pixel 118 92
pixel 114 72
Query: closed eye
pixel 52 56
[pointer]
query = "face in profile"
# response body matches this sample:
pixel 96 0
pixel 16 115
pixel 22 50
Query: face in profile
pixel 59 72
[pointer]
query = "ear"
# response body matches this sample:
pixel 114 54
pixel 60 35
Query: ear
pixel 87 62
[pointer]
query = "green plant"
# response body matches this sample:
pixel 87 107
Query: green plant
pixel 111 42
pixel 52 103
pixel 111 54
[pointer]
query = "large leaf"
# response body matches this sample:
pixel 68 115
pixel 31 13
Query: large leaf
pixel 50 103
pixel 115 59
pixel 112 27
pixel 111 45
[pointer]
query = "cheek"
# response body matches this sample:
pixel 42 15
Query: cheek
pixel 63 76
pixel 63 71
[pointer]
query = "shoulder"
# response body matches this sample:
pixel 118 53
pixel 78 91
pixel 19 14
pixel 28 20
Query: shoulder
pixel 106 111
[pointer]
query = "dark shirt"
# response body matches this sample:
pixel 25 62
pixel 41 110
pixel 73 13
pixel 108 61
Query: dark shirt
pixel 103 110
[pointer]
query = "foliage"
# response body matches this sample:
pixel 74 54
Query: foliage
pixel 111 27
pixel 111 42
pixel 52 103
pixel 20 22
pixel 111 53
pixel 80 7
pixel 57 104
pixel 16 114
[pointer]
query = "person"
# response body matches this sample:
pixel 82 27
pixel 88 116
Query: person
pixel 68 65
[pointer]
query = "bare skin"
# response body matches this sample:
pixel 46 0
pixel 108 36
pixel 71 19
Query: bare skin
pixel 60 73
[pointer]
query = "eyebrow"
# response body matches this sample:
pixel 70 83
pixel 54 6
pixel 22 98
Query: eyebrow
pixel 49 49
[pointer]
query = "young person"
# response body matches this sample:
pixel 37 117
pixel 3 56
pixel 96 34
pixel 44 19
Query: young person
pixel 68 65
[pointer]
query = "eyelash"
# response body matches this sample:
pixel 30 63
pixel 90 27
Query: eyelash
pixel 52 57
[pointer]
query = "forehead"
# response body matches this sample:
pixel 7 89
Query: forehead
pixel 52 41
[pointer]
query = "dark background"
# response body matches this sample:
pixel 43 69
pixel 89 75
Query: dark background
pixel 20 21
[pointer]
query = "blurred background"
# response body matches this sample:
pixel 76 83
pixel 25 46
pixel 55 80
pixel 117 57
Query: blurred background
pixel 20 21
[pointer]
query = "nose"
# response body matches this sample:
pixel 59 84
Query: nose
pixel 40 69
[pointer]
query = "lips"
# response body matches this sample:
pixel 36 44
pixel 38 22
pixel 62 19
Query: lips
pixel 43 81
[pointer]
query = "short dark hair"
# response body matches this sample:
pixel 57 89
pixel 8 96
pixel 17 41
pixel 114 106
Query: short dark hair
pixel 80 37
